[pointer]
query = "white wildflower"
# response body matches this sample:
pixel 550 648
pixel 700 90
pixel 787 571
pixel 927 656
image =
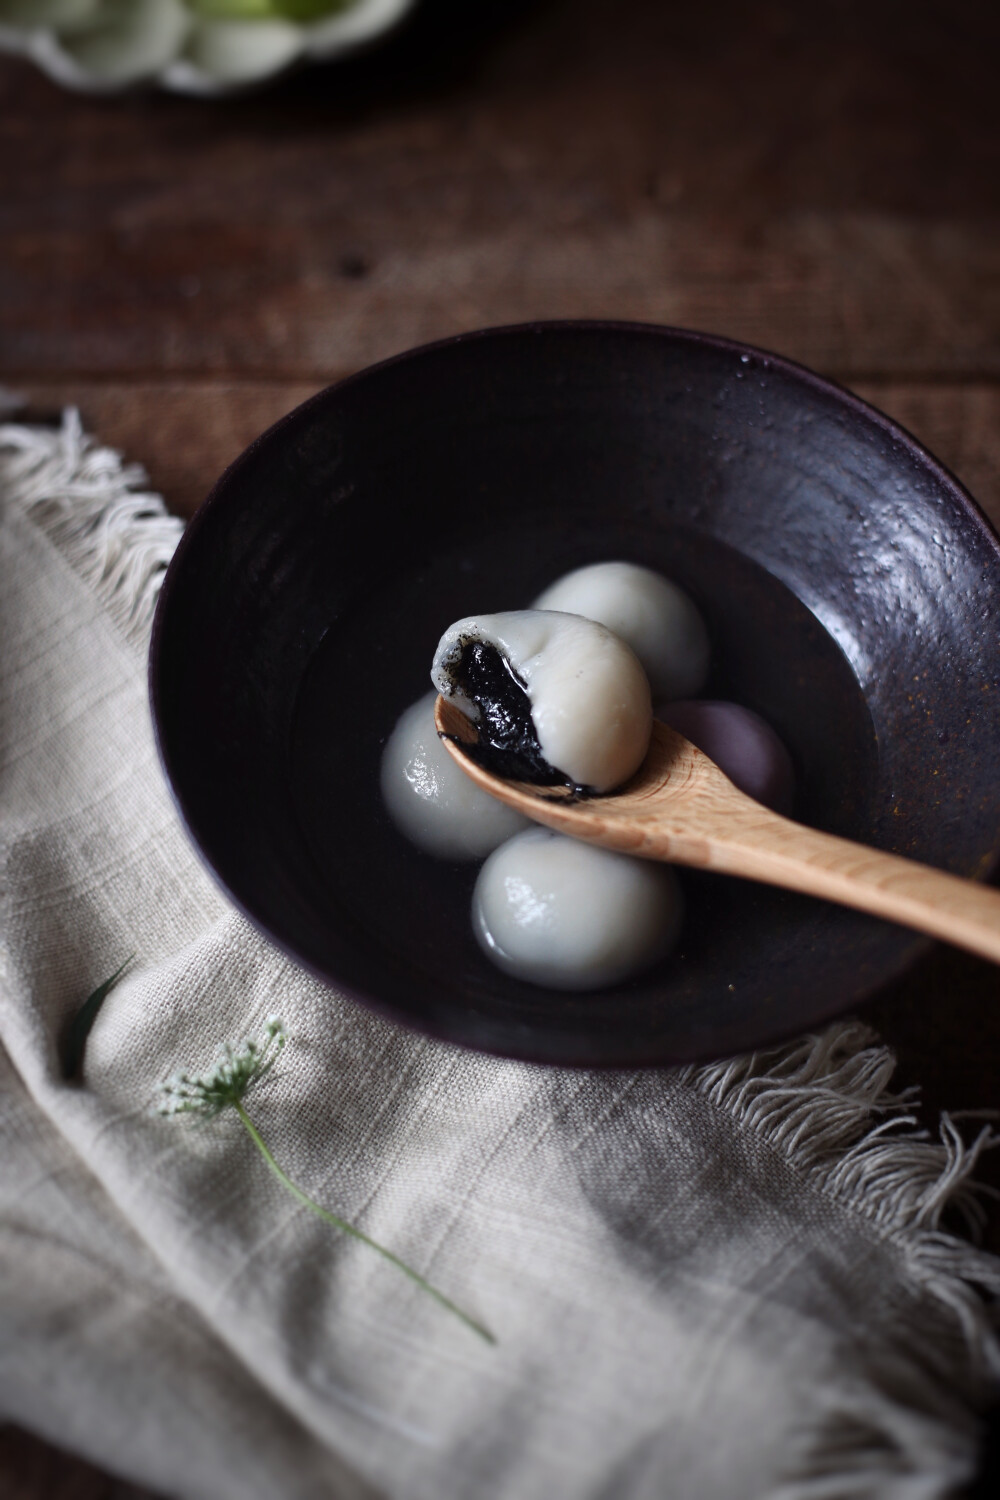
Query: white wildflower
pixel 236 1071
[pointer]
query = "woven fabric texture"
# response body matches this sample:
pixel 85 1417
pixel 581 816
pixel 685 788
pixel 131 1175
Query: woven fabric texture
pixel 718 1283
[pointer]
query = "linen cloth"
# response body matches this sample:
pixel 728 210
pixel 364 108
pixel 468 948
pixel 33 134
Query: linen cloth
pixel 719 1283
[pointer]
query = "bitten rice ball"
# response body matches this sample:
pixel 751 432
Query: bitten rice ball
pixel 430 798
pixel 655 617
pixel 557 699
pixel 571 916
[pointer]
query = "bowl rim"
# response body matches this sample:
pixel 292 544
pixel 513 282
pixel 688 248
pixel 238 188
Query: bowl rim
pixel 919 945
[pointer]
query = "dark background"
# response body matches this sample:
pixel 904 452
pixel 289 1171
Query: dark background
pixel 819 178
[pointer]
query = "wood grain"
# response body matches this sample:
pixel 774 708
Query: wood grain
pixel 851 293
pixel 821 180
pixel 184 432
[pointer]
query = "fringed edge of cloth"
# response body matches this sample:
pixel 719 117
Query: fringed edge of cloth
pixel 98 512
pixel 823 1103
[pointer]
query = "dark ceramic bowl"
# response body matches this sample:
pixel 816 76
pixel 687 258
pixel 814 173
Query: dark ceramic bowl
pixel 851 590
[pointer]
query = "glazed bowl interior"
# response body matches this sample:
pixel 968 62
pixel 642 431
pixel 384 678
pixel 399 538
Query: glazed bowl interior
pixel 849 586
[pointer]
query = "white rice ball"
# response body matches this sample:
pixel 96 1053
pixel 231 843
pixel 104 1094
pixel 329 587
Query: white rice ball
pixel 571 916
pixel 588 695
pixel 654 616
pixel 430 798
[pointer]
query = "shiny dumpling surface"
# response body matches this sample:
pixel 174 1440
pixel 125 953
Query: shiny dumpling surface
pixel 567 915
pixel 655 617
pixel 589 696
pixel 430 798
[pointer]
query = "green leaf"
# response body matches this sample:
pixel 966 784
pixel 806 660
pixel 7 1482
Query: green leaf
pixel 78 1030
pixel 260 10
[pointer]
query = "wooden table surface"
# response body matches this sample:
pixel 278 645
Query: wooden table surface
pixel 821 179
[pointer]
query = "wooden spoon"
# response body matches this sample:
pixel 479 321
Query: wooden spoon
pixel 680 807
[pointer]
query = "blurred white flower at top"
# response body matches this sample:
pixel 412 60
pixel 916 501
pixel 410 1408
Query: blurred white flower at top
pixel 195 46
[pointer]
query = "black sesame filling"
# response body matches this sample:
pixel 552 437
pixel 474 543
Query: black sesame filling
pixel 508 741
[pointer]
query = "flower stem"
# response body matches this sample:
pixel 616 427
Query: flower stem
pixel 342 1224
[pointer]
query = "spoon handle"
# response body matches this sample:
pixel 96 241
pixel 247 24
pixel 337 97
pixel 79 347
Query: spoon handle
pixel 773 849
pixel 680 807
